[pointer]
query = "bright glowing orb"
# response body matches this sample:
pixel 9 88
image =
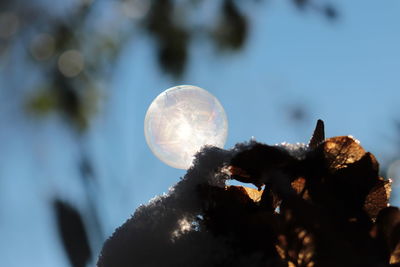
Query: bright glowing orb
pixel 180 121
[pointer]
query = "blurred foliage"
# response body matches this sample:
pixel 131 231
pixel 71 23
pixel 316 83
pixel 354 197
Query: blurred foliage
pixel 73 49
pixel 231 32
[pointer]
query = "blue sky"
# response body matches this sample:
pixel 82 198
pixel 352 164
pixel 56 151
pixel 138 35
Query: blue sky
pixel 345 72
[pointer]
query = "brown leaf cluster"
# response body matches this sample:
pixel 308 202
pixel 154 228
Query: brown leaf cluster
pixel 323 204
pixel 328 207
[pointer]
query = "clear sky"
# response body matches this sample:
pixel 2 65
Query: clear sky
pixel 346 73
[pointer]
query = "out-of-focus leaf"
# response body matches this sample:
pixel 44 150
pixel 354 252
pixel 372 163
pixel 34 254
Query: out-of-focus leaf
pixel 330 12
pixel 300 3
pixel 42 103
pixel 86 168
pixel 172 53
pixel 159 17
pixel 172 38
pixel 327 10
pixel 72 233
pixel 232 31
pixel 71 103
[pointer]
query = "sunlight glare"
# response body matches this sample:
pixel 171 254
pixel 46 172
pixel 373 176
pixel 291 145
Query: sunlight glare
pixel 180 121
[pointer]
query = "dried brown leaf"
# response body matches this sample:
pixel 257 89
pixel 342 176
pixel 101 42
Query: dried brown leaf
pixel 341 151
pixel 378 197
pixel 388 230
pixel 252 193
pixel 299 186
pixel 395 256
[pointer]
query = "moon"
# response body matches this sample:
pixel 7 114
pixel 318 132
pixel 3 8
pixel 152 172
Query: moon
pixel 180 121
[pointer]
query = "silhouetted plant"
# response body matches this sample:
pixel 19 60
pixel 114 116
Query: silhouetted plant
pixel 321 204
